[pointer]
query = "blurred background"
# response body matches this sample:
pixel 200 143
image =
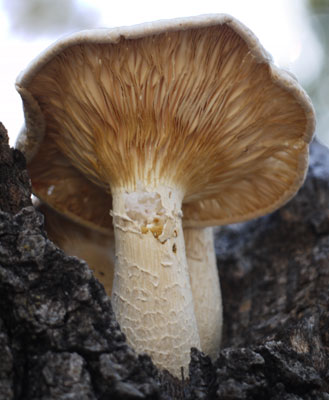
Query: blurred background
pixel 295 32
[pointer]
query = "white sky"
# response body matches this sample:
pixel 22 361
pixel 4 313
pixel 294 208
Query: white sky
pixel 281 26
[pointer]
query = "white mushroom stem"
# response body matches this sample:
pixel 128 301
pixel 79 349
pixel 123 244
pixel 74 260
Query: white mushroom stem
pixel 205 285
pixel 152 296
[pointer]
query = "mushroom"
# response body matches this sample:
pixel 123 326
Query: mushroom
pixel 75 239
pixel 188 111
pixel 201 260
pixel 97 249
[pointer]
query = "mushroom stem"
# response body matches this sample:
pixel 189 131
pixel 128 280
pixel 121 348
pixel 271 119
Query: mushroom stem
pixel 152 296
pixel 205 285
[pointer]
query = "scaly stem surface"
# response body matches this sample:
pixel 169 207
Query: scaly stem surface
pixel 152 296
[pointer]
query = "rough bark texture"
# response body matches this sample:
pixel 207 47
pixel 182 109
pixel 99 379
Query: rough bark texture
pixel 59 338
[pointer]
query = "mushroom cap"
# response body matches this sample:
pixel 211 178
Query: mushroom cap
pixel 77 240
pixel 193 102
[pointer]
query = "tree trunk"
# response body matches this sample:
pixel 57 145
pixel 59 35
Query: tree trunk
pixel 59 338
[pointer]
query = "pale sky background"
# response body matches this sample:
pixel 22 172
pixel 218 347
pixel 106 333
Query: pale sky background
pixel 282 26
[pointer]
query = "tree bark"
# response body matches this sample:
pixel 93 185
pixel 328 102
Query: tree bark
pixel 59 338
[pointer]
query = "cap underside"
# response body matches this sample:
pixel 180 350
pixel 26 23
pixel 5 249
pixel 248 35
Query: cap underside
pixel 193 108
